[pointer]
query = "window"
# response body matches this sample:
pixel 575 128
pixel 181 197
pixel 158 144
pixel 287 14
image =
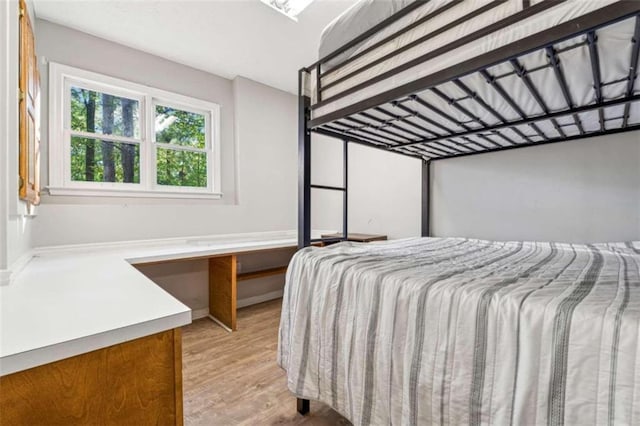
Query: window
pixel 110 137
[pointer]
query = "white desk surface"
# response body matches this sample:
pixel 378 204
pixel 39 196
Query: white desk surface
pixel 70 300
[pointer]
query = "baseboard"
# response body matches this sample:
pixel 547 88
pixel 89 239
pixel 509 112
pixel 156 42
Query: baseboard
pixel 7 274
pixel 254 300
pixel 220 323
pixel 260 298
pixel 199 313
pixel 243 303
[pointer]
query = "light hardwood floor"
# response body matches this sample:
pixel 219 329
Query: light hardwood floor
pixel 233 379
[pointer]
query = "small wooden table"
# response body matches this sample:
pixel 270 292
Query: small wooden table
pixel 359 238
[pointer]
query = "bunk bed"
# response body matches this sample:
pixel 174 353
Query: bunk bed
pixel 446 330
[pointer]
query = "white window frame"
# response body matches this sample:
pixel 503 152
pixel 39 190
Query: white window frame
pixel 62 77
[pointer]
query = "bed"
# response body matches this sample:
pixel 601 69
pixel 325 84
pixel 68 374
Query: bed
pixel 464 331
pixel 446 21
pixel 457 331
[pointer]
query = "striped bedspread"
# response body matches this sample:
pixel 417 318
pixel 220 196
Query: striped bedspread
pixel 459 331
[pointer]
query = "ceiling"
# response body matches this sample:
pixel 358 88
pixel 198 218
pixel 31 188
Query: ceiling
pixel 224 37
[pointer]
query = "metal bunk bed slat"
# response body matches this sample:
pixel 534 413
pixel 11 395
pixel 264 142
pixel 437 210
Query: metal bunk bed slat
pixel 522 73
pixel 595 71
pixel 633 70
pixel 564 87
pixel 530 120
pixel 635 127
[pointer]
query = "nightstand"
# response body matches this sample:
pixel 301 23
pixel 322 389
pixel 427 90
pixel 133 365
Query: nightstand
pixel 359 238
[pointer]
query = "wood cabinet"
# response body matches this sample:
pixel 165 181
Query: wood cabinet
pixel 133 383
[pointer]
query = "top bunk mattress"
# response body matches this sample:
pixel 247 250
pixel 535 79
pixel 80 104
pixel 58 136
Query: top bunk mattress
pixel 437 22
pixel 359 18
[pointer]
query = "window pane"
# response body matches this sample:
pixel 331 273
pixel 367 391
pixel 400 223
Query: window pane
pixel 179 127
pixel 181 168
pixel 106 114
pixel 94 160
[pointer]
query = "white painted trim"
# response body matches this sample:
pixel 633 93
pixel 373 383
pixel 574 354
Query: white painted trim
pixel 100 136
pixel 14 269
pixel 135 193
pixel 217 321
pixel 160 242
pixel 5 137
pixel 200 245
pixel 254 300
pixel 201 313
pixel 61 77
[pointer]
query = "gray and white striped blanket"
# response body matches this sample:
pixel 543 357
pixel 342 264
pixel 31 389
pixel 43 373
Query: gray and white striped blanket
pixel 458 331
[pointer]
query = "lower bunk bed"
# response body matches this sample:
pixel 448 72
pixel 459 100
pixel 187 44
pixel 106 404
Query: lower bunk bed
pixel 463 331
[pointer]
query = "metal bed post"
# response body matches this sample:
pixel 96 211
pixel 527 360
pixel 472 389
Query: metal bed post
pixel 345 197
pixel 426 197
pixel 304 165
pixel 302 406
pixel 304 183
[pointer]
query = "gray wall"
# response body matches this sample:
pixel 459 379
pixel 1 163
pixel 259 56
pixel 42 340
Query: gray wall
pixel 579 191
pixel 258 153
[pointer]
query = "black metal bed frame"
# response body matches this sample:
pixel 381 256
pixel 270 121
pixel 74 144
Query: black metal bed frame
pixel 405 133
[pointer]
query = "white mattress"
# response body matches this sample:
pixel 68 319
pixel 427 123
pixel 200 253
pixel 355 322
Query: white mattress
pixel 356 20
pixel 613 46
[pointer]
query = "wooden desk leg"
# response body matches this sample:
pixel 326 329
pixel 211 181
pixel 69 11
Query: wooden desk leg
pixel 222 291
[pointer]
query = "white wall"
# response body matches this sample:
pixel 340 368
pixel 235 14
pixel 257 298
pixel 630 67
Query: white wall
pixel 258 153
pixel 15 224
pixel 384 189
pixel 580 191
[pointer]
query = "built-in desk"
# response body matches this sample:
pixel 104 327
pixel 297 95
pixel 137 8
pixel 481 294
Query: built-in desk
pixel 224 278
pixel 86 337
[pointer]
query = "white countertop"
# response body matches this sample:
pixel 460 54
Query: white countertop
pixel 70 300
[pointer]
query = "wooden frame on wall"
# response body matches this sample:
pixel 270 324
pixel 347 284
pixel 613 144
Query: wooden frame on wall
pixel 29 111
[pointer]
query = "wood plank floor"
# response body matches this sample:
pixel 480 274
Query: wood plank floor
pixel 233 379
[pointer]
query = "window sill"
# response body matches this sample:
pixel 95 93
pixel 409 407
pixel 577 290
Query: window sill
pixel 83 192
